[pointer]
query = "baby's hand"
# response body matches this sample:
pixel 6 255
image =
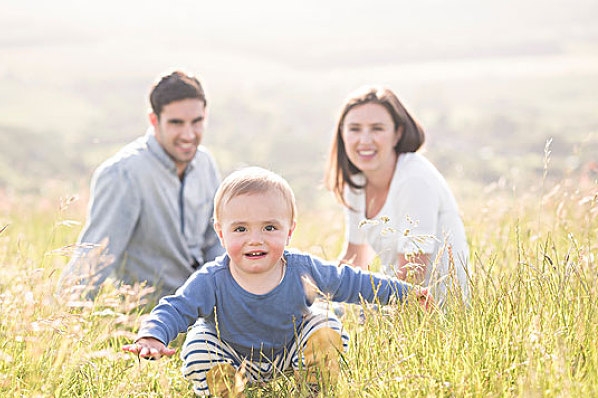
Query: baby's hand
pixel 425 298
pixel 149 348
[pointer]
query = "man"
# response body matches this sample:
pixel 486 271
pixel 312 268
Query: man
pixel 151 204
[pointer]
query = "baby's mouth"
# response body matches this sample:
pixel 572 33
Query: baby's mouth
pixel 256 254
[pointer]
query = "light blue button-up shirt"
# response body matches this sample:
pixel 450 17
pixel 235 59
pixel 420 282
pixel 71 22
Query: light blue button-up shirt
pixel 159 227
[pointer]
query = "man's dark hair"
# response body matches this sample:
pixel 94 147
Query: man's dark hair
pixel 176 86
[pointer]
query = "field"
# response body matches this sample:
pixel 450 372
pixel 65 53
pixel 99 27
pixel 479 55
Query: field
pixel 493 83
pixel 530 331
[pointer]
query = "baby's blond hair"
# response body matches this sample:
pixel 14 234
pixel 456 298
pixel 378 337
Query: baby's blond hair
pixel 251 180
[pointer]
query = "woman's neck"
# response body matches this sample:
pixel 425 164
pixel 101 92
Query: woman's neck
pixel 377 187
pixel 381 177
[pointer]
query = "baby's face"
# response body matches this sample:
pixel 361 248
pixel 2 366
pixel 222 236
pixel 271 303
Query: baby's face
pixel 254 229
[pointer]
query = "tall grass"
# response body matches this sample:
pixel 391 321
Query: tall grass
pixel 531 328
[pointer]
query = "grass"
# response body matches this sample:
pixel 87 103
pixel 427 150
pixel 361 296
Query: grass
pixel 530 331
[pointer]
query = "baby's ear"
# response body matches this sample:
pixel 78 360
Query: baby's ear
pixel 291 230
pixel 218 229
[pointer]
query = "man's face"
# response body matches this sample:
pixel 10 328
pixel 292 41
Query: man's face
pixel 179 129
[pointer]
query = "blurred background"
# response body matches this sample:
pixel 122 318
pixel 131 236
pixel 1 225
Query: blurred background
pixel 497 85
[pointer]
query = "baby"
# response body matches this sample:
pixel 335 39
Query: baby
pixel 251 309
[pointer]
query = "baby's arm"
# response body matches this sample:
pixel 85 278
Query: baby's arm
pixel 149 348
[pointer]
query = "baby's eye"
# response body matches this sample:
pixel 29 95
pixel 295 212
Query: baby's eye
pixel 240 229
pixel 270 228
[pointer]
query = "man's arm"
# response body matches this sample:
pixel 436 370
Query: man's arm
pixel 113 212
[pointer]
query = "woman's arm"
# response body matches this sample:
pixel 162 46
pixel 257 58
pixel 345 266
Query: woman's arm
pixel 356 255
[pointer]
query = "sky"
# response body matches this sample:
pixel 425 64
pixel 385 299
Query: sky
pixel 336 34
pixel 51 47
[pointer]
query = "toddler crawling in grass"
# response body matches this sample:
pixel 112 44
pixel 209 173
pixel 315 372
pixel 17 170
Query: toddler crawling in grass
pixel 251 310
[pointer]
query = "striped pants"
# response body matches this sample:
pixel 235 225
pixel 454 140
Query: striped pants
pixel 203 350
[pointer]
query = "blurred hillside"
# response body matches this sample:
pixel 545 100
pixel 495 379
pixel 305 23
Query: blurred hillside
pixel 490 83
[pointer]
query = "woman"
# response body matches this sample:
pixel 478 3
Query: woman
pixel 396 201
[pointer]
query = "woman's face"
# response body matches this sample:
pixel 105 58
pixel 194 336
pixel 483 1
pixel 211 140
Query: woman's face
pixel 369 136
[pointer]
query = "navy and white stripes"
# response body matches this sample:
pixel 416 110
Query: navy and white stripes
pixel 203 350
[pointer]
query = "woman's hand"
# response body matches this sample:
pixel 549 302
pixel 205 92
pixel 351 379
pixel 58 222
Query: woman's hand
pixel 149 348
pixel 412 267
